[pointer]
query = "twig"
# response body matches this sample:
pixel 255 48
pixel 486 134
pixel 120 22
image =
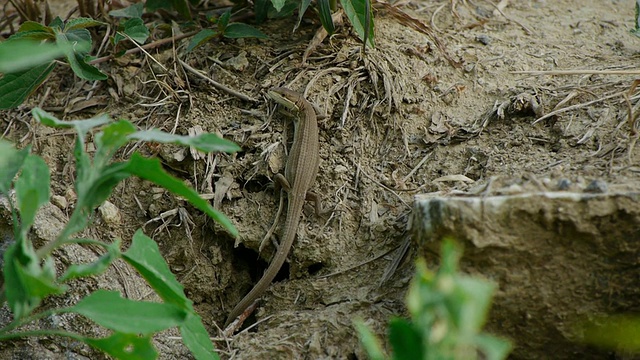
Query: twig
pixel 149 46
pixel 376 257
pixel 381 185
pixel 579 72
pixel 216 84
pixel 523 26
pixel 413 171
pixel 577 106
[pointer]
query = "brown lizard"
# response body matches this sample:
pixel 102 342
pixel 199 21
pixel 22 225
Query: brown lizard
pixel 299 174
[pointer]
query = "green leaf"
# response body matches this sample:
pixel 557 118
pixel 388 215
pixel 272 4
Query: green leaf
pixel 290 6
pixel 26 283
pixel 475 296
pixel 369 341
pixel 196 338
pixel 417 295
pixel 109 309
pixel 32 189
pixel 150 169
pixel 110 139
pixel 24 54
pixel 356 11
pixel 223 21
pixel 278 4
pixel 136 30
pixel 39 281
pixel 99 185
pixel 494 348
pixel 15 87
pixel 75 44
pixel 95 268
pixel 83 70
pixel 304 5
pixel 451 254
pixel 133 11
pixel 145 257
pixel 261 10
pixel 619 332
pixel 153 5
pixel 200 38
pixel 205 142
pixel 324 12
pixel 81 23
pixel 78 41
pixel 33 35
pixel 182 7
pixel 57 23
pixel 19 298
pixel 240 30
pixel 11 161
pixel 81 126
pixel 636 29
pixel 34 26
pixel 406 341
pixel 125 346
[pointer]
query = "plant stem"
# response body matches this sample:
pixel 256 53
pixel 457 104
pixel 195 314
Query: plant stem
pixel 152 45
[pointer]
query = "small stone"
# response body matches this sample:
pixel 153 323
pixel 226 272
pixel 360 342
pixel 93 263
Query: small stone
pixel 59 201
pixel 154 210
pixel 512 189
pixel 596 187
pixel 239 62
pixel 340 169
pixel 483 39
pixel 70 195
pixel 110 213
pixel 563 184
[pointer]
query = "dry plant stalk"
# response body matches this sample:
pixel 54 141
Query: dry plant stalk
pixel 29 10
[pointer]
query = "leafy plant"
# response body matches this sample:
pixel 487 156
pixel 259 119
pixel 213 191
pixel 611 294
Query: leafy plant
pixel 27 57
pixel 30 276
pixel 448 310
pixel 358 11
pixel 636 29
pixel 32 10
pixel 133 27
pixel 225 29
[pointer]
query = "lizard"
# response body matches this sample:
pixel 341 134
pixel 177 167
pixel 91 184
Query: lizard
pixel 300 173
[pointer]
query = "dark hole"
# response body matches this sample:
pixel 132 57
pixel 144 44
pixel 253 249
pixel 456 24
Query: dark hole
pixel 257 184
pixel 315 268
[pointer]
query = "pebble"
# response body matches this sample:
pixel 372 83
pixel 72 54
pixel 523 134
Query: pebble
pixel 563 184
pixel 596 187
pixel 110 213
pixel 59 201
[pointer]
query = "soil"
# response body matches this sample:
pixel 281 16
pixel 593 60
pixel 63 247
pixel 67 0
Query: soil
pixel 439 105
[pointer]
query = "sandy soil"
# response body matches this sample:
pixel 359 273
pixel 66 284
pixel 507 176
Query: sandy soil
pixel 400 118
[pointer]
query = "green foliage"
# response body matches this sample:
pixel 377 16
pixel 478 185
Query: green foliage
pixel 636 30
pixel 181 6
pixel 225 29
pixel 27 56
pixel 324 11
pixel 448 310
pixel 616 332
pixel 30 276
pixel 359 13
pixel 133 27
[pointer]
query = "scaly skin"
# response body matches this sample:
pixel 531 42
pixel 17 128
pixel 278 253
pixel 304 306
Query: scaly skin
pixel 300 172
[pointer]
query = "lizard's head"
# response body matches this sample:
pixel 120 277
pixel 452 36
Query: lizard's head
pixel 285 97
